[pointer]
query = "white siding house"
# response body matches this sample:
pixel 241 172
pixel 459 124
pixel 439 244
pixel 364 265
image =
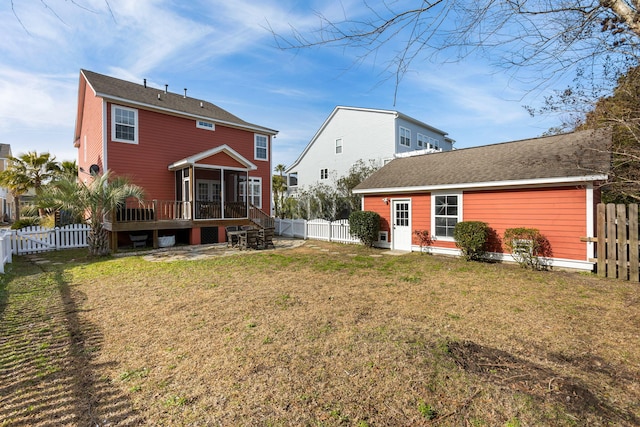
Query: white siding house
pixel 350 134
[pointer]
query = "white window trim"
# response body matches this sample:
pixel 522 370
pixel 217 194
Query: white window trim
pixel 255 147
pixel 407 130
pixel 113 124
pixel 341 146
pixel 203 124
pixel 422 140
pixel 249 194
pixel 433 213
pixel 324 173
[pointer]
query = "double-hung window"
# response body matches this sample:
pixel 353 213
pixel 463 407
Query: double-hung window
pixel 261 147
pixel 422 140
pixel 339 146
pixel 447 212
pixel 405 137
pixel 124 124
pixel 324 173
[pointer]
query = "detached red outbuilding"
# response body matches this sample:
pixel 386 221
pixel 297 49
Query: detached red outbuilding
pixel 551 183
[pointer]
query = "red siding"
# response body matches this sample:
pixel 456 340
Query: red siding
pixel 164 139
pixel 91 133
pixel 560 213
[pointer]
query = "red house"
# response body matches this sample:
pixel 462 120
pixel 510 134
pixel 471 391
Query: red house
pixel 551 183
pixel 201 167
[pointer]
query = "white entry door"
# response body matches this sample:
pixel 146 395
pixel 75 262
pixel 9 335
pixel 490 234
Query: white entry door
pixel 401 233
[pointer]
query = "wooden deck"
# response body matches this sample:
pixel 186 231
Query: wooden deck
pixel 175 215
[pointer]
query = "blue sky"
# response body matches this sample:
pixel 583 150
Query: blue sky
pixel 222 52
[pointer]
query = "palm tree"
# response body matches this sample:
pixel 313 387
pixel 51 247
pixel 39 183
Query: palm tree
pixel 279 184
pixel 30 170
pixel 93 201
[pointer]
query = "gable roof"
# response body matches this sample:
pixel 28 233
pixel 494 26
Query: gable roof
pixel 194 159
pixel 134 94
pixel 572 157
pixel 335 111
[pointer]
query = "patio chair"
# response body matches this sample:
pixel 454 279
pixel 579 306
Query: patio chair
pixel 232 239
pixel 249 240
pixel 265 238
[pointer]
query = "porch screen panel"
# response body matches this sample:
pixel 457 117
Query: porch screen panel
pixel 235 205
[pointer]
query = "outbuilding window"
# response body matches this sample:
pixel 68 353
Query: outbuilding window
pixel 447 212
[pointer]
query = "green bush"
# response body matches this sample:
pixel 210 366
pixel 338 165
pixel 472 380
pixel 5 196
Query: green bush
pixel 25 222
pixel 528 247
pixel 365 225
pixel 471 238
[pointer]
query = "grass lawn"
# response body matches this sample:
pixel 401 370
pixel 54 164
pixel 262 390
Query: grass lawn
pixel 320 335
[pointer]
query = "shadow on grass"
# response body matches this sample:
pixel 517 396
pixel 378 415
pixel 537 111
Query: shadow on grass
pixel 544 384
pixel 47 357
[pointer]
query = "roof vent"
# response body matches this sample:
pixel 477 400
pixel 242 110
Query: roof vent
pixel 185 92
pixel 201 104
pixel 166 88
pixel 145 83
pixel 158 97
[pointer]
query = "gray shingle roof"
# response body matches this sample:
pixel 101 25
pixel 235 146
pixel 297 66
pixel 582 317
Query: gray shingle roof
pixel 578 154
pixel 137 94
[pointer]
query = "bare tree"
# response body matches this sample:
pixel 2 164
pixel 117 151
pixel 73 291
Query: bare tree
pixel 45 5
pixel 549 37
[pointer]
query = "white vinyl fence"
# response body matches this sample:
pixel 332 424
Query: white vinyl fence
pixel 35 239
pixel 317 229
pixel 5 249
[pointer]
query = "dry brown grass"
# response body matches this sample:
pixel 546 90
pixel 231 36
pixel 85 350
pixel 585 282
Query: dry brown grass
pixel 321 335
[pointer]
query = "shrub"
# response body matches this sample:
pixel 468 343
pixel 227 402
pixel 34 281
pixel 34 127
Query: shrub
pixel 365 225
pixel 25 222
pixel 471 238
pixel 424 238
pixel 528 247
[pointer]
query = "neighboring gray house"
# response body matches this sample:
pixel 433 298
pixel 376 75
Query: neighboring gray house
pixel 350 134
pixel 6 200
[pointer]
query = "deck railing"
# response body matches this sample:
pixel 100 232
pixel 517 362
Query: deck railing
pixel 260 218
pixel 170 210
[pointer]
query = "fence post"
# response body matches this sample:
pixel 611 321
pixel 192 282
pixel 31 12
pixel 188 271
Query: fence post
pixel 622 242
pixel 602 240
pixel 57 237
pixel 634 259
pixel 612 252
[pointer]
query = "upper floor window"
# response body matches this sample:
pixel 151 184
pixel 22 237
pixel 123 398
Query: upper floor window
pixel 422 141
pixel 124 124
pixel 324 173
pixel 261 147
pixel 405 137
pixel 205 125
pixel 339 146
pixel 447 212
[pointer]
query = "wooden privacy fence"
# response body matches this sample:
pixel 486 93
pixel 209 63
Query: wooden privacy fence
pixel 617 241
